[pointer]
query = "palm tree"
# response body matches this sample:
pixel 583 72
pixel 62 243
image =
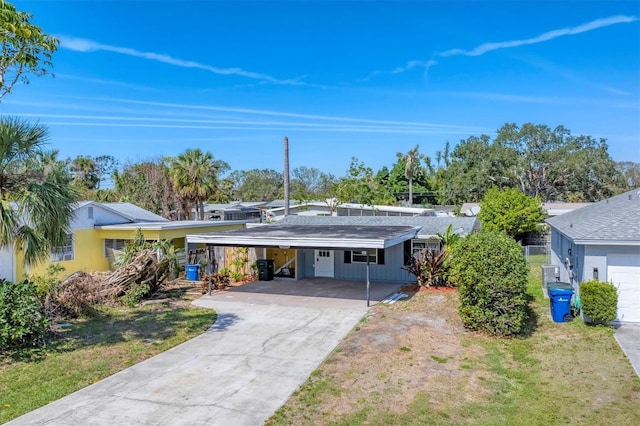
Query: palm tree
pixel 85 173
pixel 412 162
pixel 36 198
pixel 195 178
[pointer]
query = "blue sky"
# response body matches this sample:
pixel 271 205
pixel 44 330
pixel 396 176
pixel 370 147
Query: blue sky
pixel 143 79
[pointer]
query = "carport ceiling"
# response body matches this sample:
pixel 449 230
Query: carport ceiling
pixel 310 236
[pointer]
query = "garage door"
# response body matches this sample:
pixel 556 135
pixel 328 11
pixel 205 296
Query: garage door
pixel 624 273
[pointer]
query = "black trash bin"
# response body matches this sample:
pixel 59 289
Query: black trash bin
pixel 265 269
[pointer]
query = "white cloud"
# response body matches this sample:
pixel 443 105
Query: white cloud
pixel 550 35
pixel 85 45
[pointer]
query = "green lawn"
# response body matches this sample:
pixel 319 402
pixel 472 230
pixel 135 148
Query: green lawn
pixel 561 374
pixel 92 349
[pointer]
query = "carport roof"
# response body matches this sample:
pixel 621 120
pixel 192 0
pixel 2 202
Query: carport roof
pixel 310 236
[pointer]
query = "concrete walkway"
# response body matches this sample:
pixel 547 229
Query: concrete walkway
pixel 628 337
pixel 240 372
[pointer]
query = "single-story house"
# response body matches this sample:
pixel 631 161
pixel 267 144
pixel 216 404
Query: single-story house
pixel 322 208
pixel 100 229
pixel 354 248
pixel 552 208
pixel 602 241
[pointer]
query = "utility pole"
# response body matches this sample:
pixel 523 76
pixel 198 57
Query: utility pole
pixel 286 176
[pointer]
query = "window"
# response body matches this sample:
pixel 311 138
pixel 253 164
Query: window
pixel 376 256
pixel 90 212
pixel 361 256
pixel 113 245
pixel 419 245
pixel 412 247
pixel 65 252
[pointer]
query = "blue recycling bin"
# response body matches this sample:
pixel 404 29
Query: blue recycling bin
pixel 560 295
pixel 192 272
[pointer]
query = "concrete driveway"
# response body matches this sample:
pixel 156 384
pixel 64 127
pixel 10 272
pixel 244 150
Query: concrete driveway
pixel 262 347
pixel 628 338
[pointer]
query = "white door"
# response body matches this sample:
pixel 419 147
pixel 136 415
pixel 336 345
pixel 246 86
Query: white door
pixel 624 273
pixel 324 263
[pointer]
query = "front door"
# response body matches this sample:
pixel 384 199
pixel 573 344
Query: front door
pixel 324 263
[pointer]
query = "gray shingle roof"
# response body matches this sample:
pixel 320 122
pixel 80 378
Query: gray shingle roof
pixel 429 225
pixel 614 219
pixel 137 213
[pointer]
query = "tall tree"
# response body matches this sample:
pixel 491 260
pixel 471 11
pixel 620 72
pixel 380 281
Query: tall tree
pixel 84 172
pixel 195 177
pixel 510 211
pixel 148 185
pixel 475 165
pixel 258 184
pixel 36 197
pixel 553 164
pixel 310 183
pixel 25 48
pixel 411 164
pixel 360 186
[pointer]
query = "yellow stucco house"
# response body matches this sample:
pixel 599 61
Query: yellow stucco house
pixel 100 228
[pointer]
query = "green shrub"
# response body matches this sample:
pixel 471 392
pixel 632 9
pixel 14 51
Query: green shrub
pixel 134 295
pixel 599 301
pixel 22 323
pixel 491 274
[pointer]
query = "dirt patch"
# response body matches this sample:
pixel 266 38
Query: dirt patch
pixel 395 353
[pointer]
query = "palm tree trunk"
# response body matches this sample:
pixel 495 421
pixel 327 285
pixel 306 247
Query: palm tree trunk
pixel 410 192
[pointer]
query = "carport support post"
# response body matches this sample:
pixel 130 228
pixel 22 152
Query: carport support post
pixel 368 291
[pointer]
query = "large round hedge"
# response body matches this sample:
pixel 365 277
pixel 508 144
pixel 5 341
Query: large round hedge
pixel 491 274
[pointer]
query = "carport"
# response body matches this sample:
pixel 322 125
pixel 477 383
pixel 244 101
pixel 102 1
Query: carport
pixel 356 238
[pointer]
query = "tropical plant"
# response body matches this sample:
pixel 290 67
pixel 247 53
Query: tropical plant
pixel 36 203
pixel 412 163
pixel 195 177
pixel 85 173
pixel 429 267
pixel 25 48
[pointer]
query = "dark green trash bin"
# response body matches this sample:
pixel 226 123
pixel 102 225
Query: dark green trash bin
pixel 265 269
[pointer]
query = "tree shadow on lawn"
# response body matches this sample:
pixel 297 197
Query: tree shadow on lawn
pixel 145 324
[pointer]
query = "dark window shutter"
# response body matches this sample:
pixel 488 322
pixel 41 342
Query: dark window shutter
pixel 407 252
pixel 347 256
pixel 380 256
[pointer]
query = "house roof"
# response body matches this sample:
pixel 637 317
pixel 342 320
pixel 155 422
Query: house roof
pixel 135 213
pixel 337 232
pixel 310 236
pixel 553 208
pixel 612 221
pixel 169 225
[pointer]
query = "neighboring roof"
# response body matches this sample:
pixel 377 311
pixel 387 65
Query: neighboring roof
pixel 378 209
pixel 554 208
pixel 429 226
pixel 233 205
pixel 470 209
pixel 168 224
pixel 612 221
pixel 137 214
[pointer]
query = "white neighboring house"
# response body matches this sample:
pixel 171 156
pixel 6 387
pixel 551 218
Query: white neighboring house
pixel 602 240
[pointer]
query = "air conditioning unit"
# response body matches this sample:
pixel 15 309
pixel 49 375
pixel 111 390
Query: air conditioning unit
pixel 550 273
